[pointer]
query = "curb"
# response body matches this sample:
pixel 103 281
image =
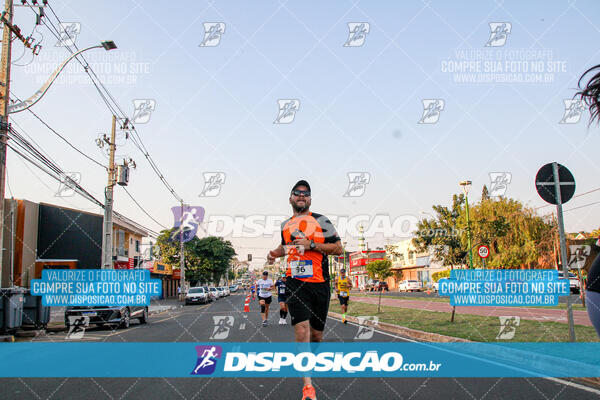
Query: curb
pixel 404 331
pixel 33 333
pixel 7 338
pixel 163 310
pixel 569 365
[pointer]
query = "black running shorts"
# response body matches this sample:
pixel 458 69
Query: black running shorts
pixel 308 301
pixel 266 299
pixel 343 300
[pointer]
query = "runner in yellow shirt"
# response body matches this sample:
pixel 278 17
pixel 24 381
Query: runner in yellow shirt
pixel 342 287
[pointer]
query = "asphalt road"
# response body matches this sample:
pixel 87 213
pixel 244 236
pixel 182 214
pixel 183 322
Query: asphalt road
pixel 196 324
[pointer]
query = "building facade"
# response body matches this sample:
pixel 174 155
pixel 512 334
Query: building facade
pixel 44 235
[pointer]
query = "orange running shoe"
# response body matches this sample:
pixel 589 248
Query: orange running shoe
pixel 308 393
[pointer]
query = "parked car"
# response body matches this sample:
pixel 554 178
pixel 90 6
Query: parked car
pixel 234 288
pixel 573 281
pixel 380 286
pixel 220 291
pixel 120 316
pixel 197 295
pixel 436 285
pixel 367 286
pixel 214 293
pixel 409 285
pixel 225 290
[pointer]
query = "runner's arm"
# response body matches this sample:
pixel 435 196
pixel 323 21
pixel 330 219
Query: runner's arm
pixel 333 249
pixel 273 254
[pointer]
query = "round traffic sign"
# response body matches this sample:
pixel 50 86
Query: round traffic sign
pixel 483 251
pixel 546 181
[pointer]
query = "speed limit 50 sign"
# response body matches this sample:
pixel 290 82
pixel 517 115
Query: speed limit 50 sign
pixel 483 251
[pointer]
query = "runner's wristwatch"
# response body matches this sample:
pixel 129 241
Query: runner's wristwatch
pixel 312 245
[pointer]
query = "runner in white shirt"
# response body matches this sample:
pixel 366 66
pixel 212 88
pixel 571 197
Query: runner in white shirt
pixel 264 287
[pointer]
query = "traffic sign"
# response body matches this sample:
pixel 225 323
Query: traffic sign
pixel 545 183
pixel 556 185
pixel 483 251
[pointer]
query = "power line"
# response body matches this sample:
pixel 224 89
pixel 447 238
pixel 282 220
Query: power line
pixel 112 105
pixel 61 136
pixel 142 208
pixel 585 205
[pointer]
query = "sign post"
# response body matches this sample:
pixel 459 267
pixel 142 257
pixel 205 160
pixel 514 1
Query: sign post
pixel 484 252
pixel 556 185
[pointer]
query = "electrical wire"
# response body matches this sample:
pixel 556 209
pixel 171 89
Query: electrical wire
pixel 112 105
pixel 142 208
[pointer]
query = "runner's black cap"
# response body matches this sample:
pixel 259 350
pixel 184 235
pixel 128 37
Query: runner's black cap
pixel 266 273
pixel 343 270
pixel 301 182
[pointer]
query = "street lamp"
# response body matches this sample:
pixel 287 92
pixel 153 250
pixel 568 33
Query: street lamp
pixel 24 105
pixel 466 185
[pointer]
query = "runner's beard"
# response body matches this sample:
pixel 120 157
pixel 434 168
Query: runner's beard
pixel 300 209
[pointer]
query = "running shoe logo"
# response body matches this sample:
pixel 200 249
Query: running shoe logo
pixel 207 359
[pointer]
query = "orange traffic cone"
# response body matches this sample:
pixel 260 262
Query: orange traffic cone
pixel 247 304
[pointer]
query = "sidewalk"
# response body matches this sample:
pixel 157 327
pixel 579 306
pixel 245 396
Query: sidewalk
pixel 536 314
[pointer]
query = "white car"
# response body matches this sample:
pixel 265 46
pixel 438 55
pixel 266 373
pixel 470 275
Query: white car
pixel 214 292
pixel 409 285
pixel 436 285
pixel 197 295
pixel 221 291
pixel 573 281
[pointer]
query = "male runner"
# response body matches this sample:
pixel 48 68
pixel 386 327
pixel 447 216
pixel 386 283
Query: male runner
pixel 342 287
pixel 281 298
pixel 308 239
pixel 264 287
pixel 252 289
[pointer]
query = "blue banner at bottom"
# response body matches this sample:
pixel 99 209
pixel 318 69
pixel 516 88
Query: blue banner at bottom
pixel 376 359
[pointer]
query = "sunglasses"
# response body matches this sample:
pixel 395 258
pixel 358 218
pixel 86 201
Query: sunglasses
pixel 305 193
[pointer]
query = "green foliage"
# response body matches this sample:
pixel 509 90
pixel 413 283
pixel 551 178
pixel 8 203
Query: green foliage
pixel 379 269
pixel 444 232
pixel 516 235
pixel 436 276
pixel 206 259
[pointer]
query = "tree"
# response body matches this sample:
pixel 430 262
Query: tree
pixel 516 235
pixel 206 259
pixel 442 235
pixel 485 194
pixel 381 270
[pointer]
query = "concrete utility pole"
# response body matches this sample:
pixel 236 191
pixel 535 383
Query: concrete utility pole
pixel 107 229
pixel 181 260
pixel 4 96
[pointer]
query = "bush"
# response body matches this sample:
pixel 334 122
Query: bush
pixel 436 276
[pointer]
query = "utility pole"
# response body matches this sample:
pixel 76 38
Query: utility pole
pixel 107 229
pixel 181 260
pixel 4 96
pixel 563 248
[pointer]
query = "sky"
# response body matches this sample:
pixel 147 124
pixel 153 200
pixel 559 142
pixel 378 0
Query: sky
pixel 360 106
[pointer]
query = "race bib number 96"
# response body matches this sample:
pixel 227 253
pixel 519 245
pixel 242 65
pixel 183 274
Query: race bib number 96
pixel 301 268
